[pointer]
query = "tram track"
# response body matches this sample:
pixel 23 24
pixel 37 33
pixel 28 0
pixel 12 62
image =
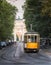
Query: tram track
pixel 38 56
pixel 33 57
pixel 14 60
pixel 5 54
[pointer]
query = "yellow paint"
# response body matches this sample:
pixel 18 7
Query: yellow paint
pixel 32 45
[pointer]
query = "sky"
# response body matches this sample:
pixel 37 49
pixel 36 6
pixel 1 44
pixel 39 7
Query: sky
pixel 18 4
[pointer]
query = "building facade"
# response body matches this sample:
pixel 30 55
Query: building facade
pixel 19 29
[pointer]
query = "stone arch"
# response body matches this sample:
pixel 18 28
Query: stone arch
pixel 19 29
pixel 19 36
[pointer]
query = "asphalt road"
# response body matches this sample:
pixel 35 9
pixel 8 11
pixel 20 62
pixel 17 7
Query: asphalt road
pixel 7 57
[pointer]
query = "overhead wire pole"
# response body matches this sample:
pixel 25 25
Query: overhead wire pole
pixel 31 26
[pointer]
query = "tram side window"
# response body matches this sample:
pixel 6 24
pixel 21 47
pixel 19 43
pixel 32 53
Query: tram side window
pixel 25 39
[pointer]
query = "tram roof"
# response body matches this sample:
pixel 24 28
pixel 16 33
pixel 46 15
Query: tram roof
pixel 32 33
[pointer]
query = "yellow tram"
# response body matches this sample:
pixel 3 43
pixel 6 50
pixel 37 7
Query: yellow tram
pixel 31 42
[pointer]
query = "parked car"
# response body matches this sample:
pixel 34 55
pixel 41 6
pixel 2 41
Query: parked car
pixel 42 43
pixel 45 42
pixel 0 46
pixel 3 44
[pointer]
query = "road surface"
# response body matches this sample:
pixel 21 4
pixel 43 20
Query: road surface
pixel 7 57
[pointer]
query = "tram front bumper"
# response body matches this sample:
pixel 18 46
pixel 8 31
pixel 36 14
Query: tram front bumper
pixel 30 50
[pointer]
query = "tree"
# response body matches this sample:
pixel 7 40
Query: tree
pixel 38 13
pixel 7 17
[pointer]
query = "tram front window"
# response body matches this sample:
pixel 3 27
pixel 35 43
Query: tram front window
pixel 35 38
pixel 29 39
pixel 32 39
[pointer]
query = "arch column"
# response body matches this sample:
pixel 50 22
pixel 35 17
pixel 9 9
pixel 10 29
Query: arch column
pixel 14 36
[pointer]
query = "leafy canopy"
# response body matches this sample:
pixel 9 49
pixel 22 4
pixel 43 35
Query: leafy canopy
pixel 38 13
pixel 7 17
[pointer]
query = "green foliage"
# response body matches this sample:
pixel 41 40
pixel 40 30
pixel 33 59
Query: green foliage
pixel 7 17
pixel 38 13
pixel 46 7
